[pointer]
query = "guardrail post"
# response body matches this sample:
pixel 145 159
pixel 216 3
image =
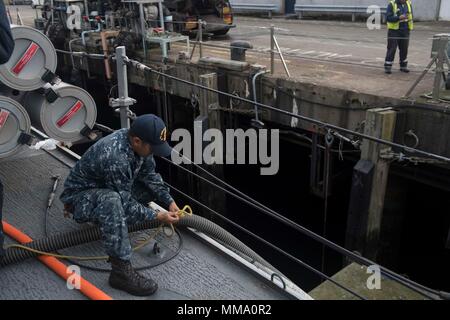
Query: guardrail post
pixel 123 101
pixel 272 49
pixel 200 37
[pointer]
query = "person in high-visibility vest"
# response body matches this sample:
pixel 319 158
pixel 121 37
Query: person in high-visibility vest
pixel 399 16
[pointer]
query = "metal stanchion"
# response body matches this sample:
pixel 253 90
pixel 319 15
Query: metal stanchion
pixel 200 32
pixel 123 101
pixel 272 49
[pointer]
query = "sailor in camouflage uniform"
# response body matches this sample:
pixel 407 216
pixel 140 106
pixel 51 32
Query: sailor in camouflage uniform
pixel 111 185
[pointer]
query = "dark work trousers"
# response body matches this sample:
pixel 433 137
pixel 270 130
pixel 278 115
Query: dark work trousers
pixel 400 39
pixel 1 227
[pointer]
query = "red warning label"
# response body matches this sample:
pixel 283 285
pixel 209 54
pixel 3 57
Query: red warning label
pixel 3 117
pixel 27 56
pixel 69 114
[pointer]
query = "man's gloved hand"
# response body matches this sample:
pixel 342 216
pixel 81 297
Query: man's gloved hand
pixel 168 217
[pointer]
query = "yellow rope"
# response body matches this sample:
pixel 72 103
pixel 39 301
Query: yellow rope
pixel 182 213
pixel 186 211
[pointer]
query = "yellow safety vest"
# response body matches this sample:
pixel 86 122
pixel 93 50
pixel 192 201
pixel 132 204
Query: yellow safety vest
pixel 396 25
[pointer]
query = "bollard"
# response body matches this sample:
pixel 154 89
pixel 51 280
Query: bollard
pixel 238 49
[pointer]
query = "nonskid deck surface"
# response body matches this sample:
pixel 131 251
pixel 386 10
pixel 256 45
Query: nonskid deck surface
pixel 197 272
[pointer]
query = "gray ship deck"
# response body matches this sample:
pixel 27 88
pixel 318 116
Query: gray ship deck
pixel 199 271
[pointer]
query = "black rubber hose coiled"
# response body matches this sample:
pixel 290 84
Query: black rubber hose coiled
pixel 64 240
pixel 79 237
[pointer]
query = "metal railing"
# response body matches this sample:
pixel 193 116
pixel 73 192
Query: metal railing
pixel 334 9
pixel 273 44
pixel 255 7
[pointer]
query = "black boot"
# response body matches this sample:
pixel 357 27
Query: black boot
pixel 123 277
pixel 388 70
pixel 404 67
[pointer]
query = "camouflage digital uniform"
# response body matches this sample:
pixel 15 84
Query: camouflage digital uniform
pixel 110 186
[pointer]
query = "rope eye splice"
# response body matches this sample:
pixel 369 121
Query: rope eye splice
pixel 186 211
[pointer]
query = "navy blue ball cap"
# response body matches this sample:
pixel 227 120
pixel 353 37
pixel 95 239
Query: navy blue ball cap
pixel 152 130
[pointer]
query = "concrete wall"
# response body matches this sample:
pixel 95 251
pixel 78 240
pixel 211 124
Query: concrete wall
pixel 425 10
pixel 445 10
pixel 278 3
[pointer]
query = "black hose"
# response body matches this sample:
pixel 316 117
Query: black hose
pixel 75 238
pixel 64 240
